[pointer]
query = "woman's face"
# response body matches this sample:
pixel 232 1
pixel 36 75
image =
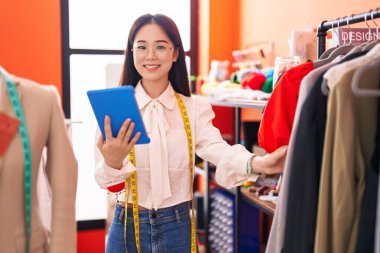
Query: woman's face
pixel 153 53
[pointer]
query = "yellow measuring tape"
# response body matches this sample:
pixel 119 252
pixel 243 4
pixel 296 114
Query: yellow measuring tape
pixel 135 207
pixel 133 181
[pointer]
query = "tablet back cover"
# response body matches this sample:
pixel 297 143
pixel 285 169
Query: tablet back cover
pixel 120 104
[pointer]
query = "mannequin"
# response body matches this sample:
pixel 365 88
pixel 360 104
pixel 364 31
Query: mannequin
pixel 45 127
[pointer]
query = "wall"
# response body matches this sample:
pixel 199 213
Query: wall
pixel 224 29
pixel 30 39
pixel 223 37
pixel 272 19
pixel 219 31
pixel 204 38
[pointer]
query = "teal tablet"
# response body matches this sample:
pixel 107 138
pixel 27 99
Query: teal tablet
pixel 120 104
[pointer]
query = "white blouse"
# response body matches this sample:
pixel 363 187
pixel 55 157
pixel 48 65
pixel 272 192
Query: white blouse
pixel 163 164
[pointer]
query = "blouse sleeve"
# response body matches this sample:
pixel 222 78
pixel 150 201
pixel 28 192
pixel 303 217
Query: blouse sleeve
pixel 107 176
pixel 231 161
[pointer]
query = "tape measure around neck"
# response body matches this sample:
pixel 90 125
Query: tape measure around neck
pixel 16 104
pixel 133 181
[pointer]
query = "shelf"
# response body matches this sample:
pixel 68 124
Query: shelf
pixel 240 103
pixel 237 103
pixel 266 206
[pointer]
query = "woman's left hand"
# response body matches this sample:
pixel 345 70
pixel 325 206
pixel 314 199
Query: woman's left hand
pixel 271 163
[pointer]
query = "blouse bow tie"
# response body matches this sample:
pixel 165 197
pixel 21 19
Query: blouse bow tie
pixel 157 127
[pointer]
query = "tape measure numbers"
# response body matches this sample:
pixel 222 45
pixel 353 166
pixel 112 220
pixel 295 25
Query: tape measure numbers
pixel 135 207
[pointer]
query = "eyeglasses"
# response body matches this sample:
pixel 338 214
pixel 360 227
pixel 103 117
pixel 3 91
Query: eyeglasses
pixel 158 50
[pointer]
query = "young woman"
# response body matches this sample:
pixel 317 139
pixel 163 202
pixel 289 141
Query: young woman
pixel 155 66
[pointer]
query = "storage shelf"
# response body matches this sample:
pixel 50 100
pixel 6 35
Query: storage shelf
pixel 237 104
pixel 266 206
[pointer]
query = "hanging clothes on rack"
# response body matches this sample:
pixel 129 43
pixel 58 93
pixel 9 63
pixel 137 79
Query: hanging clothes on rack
pixel 276 236
pixel 348 147
pixel 304 183
pixel 295 219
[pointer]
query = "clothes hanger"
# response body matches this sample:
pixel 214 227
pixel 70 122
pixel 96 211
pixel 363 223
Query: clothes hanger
pixel 369 29
pixel 326 53
pixel 324 87
pixel 342 50
pixel 366 46
pixel 359 73
pixel 360 47
pixel 370 45
pixel 345 48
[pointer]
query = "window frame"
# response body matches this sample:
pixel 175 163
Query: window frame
pixel 66 75
pixel 67 51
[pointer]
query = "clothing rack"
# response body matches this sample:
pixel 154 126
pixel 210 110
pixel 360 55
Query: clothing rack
pixel 324 26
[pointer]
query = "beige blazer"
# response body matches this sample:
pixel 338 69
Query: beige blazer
pixel 45 123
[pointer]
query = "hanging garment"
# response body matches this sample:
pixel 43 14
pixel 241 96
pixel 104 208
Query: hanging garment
pixel 308 145
pixel 377 232
pixel 366 235
pixel 277 121
pixel 276 237
pixel 46 128
pixel 350 131
pixel 305 165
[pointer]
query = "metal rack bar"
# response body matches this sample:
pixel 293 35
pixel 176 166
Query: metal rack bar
pixel 324 26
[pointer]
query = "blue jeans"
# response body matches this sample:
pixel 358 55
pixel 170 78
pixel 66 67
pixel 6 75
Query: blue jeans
pixel 165 230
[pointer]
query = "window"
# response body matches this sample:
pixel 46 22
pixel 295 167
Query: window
pixel 94 35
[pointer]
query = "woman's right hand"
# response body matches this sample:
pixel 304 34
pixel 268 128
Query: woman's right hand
pixel 114 150
pixel 271 163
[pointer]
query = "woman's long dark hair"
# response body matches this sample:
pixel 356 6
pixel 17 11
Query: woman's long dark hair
pixel 178 76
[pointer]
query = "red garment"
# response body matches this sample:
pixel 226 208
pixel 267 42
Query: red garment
pixel 277 121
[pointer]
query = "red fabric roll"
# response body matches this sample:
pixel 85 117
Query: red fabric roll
pixel 253 81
